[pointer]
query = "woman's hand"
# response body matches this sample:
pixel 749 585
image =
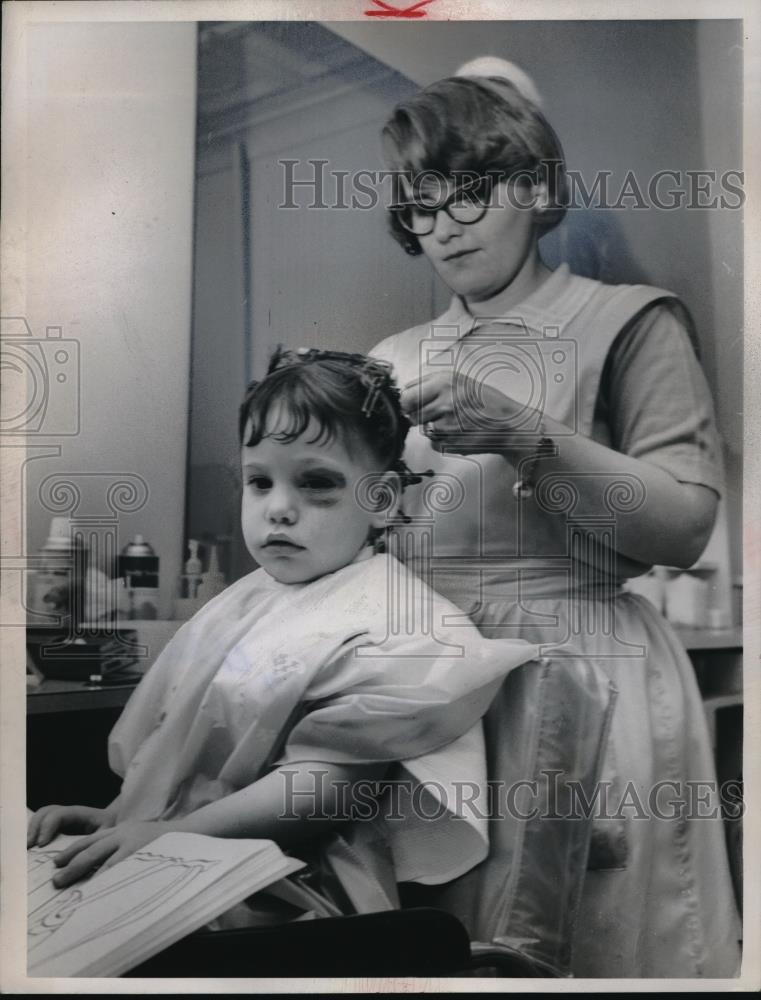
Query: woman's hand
pixel 463 415
pixel 49 821
pixel 669 527
pixel 105 848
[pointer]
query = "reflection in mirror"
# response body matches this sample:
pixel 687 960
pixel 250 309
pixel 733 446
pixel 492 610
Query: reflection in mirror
pixel 303 101
pixel 266 274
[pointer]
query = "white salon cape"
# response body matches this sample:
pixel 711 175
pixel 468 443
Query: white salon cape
pixel 366 664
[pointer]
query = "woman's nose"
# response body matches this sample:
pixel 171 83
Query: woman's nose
pixel 444 226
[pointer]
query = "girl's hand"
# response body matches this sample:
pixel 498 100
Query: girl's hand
pixel 49 821
pixel 462 415
pixel 105 848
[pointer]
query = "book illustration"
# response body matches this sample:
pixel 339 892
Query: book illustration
pixel 121 915
pixel 51 908
pixel 40 867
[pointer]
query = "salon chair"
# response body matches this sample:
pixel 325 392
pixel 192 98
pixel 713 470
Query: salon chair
pixel 511 916
pixel 416 942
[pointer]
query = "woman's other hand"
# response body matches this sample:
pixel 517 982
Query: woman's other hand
pixel 461 415
pixel 49 821
pixel 105 848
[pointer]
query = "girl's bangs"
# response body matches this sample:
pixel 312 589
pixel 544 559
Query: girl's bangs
pixel 287 415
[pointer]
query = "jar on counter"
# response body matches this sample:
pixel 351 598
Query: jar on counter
pixel 688 597
pixel 650 585
pixel 57 584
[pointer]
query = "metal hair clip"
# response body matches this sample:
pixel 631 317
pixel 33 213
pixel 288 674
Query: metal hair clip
pixel 373 373
pixel 410 478
pixel 376 375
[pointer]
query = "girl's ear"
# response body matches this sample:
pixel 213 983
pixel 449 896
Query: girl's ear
pixel 380 494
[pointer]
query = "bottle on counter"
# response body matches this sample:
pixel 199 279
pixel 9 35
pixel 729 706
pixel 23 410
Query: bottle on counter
pixel 193 568
pixel 187 601
pixel 195 586
pixel 212 581
pixel 139 568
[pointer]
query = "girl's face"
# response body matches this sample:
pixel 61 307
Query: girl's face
pixel 300 516
pixel 479 260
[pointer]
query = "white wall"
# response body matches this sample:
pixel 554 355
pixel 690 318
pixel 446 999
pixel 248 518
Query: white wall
pixel 109 129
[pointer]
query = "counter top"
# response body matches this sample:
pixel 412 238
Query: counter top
pixel 696 639
pixel 76 696
pixel 72 696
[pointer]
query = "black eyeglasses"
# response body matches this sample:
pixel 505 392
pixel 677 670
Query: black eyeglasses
pixel 465 205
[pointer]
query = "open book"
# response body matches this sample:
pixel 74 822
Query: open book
pixel 121 916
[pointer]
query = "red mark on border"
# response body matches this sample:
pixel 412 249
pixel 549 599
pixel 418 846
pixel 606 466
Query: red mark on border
pixel 386 9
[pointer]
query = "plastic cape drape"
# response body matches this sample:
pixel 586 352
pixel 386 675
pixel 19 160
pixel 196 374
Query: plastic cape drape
pixel 546 734
pixel 270 673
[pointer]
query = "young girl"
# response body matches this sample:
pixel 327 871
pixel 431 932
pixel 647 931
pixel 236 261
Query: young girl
pixel 273 711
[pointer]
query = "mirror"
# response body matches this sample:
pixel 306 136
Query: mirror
pixel 290 112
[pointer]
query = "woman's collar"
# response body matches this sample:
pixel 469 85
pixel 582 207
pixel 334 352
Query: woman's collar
pixel 538 309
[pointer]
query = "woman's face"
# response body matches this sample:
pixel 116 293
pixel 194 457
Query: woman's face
pixel 479 260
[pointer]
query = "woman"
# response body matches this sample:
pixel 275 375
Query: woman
pixel 573 428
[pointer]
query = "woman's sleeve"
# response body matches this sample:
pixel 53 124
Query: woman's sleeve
pixel 655 399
